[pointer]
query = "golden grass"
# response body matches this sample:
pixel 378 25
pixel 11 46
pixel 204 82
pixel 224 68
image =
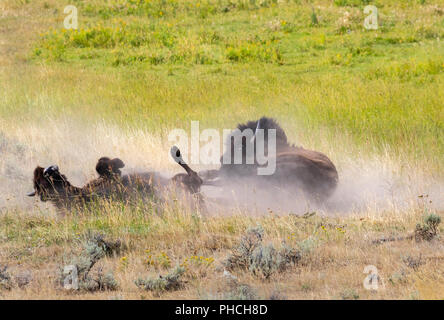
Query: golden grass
pixel 331 270
pixel 379 118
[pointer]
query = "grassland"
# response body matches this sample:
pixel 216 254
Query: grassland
pixel 372 100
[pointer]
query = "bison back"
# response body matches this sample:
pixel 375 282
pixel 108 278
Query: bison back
pixel 311 171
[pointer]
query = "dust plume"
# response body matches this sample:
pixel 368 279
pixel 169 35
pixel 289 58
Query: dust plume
pixel 365 184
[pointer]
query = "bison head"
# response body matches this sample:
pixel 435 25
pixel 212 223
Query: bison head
pixel 49 183
pixel 242 141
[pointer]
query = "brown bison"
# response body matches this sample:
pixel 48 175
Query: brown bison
pixel 51 185
pixel 297 168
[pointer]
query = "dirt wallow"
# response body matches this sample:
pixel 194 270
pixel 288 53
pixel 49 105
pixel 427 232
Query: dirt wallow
pixel 298 172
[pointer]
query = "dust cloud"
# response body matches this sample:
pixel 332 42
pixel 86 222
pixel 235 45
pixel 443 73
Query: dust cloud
pixel 365 185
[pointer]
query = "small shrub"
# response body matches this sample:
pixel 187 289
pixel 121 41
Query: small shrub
pixel 264 261
pixel 241 254
pixel 94 249
pixel 306 246
pixel 109 247
pixel 8 281
pixel 306 287
pixel 100 282
pixel 260 260
pixel 5 279
pixel 413 262
pixel 160 260
pixel 428 230
pixel 241 292
pixel 288 255
pixel 197 266
pixel 170 282
pixel 254 51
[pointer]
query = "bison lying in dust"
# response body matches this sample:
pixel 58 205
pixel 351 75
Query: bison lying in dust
pixel 51 185
pixel 297 168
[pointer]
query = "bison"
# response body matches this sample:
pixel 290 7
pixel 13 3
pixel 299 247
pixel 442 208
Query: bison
pixel 51 185
pixel 309 171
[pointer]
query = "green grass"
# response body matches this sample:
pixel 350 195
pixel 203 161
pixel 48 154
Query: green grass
pixel 383 88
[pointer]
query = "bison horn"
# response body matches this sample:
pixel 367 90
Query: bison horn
pixel 253 138
pixel 31 194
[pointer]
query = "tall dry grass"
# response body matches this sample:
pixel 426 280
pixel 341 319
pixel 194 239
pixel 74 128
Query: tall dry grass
pixel 371 101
